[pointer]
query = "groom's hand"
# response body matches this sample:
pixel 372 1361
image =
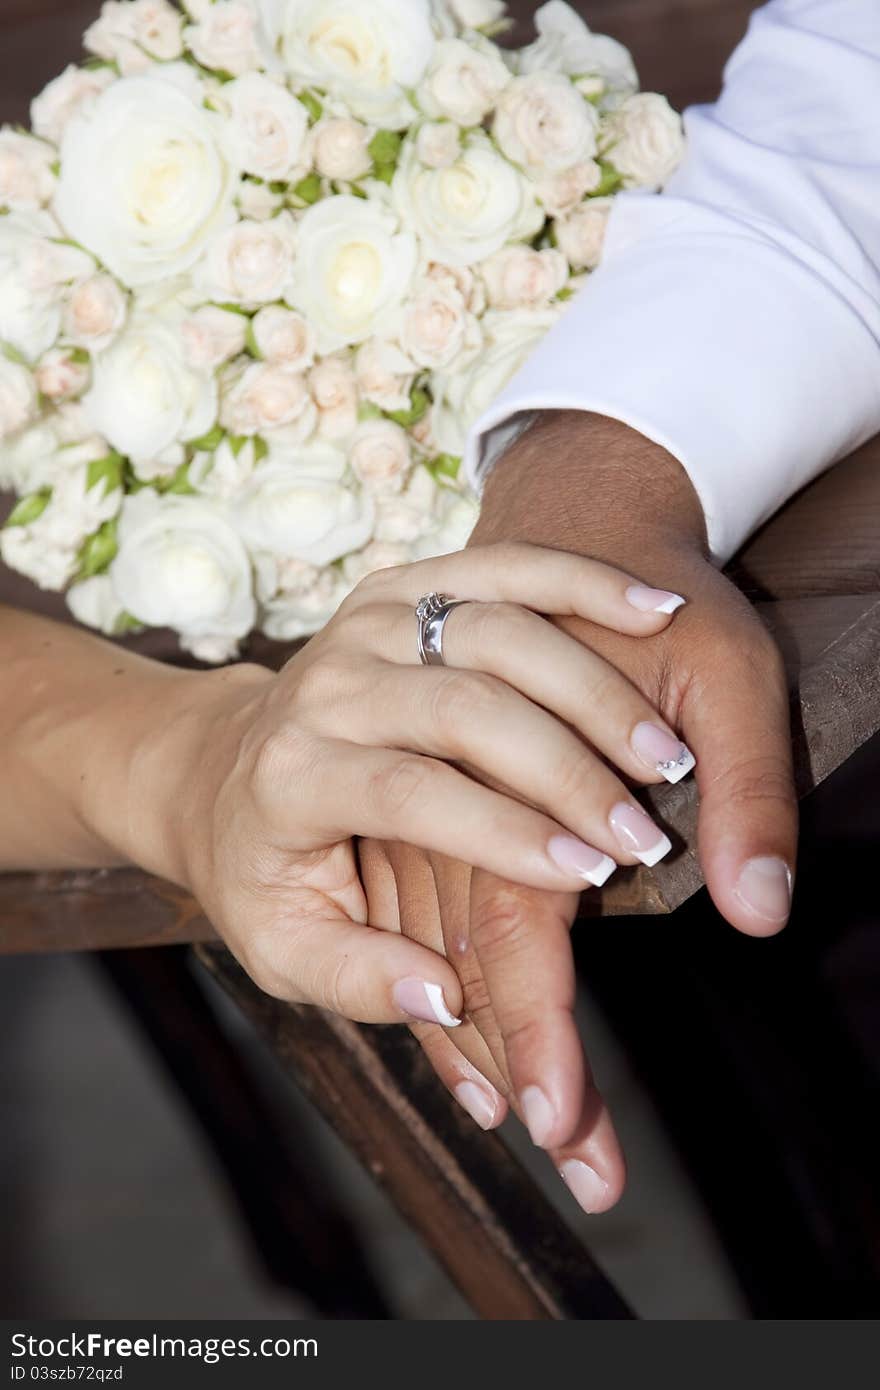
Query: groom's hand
pixel 587 484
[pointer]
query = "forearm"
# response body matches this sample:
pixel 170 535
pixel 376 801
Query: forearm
pixel 591 485
pixel 99 748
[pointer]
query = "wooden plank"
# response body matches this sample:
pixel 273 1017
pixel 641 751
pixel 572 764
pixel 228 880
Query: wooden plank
pixel 502 1243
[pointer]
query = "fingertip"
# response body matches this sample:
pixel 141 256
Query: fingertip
pixel 428 1000
pixel 756 899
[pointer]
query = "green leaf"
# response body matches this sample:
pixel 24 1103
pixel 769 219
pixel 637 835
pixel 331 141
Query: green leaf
pixel 611 180
pixel 312 105
pixel 279 187
pixel 80 356
pixel 368 411
pixel 236 443
pixel 107 470
pixel 178 483
pixel 231 309
pixel 384 172
pixel 309 189
pixel 29 508
pixel 98 551
pixel 125 624
pixel 207 443
pixel 13 355
pixel 565 294
pixel 385 146
pixel 420 403
pixel 445 466
pixel 261 449
pixel 250 342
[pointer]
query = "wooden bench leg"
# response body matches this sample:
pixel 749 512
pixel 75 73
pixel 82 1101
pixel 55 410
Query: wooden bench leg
pixel 306 1243
pixel 503 1244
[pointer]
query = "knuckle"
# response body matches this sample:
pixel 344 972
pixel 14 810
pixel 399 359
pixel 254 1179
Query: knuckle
pixel 574 780
pixel 400 784
pixel 461 700
pixel 499 925
pixel 765 777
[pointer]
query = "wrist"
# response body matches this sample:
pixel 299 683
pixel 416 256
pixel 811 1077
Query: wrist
pixel 593 486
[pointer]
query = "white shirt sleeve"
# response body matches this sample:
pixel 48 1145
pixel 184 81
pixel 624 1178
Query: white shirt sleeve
pixel 735 320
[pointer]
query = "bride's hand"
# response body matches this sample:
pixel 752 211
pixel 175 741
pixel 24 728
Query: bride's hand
pixel 355 738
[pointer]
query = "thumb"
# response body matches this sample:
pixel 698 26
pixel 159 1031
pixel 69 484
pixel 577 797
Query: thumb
pixel 362 973
pixel 736 720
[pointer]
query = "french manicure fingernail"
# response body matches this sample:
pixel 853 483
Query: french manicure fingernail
pixel 424 1001
pixel 539 1115
pixel 638 834
pixel 583 1182
pixel 480 1102
pixel 581 860
pixel 653 600
pixel 764 887
pixel 662 751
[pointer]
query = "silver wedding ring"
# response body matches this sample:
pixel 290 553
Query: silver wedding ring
pixel 431 614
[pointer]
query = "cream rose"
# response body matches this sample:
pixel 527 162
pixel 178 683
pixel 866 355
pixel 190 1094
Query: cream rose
pixel 368 53
pixel 47 549
pixel 149 27
pixel 60 377
pixel 384 375
pixel 223 474
pixel 158 183
pixel 566 44
pixel 403 517
pixel 478 14
pixel 30 304
pixel 378 555
pixel 94 603
pixel 334 390
pixel 284 337
pixel 266 126
pixel 464 81
pixel 438 144
pixel 72 91
pixel 353 268
pixel 457 515
pixel 580 235
pixel 144 397
pixel 227 37
pixel 211 336
pixel 380 455
pixel 544 124
pixel 644 140
pixel 26 178
pixel 521 278
pixel 436 327
pixel 562 192
pixel 340 148
pixel 251 263
pixel 256 201
pixel 292 616
pixel 181 564
pixel 469 210
pixel 287 512
pixel 95 313
pixel 18 397
pixel 264 397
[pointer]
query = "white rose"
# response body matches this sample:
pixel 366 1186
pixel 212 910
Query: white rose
pixel 30 316
pixel 158 183
pixel 227 37
pixel 316 519
pixel 264 397
pixel 353 268
pixel 465 212
pixel 563 191
pixel 402 518
pixel 94 603
pixel 367 52
pixel 131 33
pixel 284 337
pixel 436 327
pixel 26 178
pixel 211 336
pixel 59 376
pixel 144 397
pixel 257 202
pixel 64 96
pixel 251 263
pixel 223 473
pixel 378 555
pixel 334 390
pixel 267 126
pixel 47 550
pixel 478 14
pixel 581 234
pixel 290 617
pixel 18 397
pixel 544 124
pixel 95 313
pixel 467 282
pixel 384 375
pixel 438 144
pixel 340 147
pixel 457 516
pixel 462 397
pixel 644 140
pixel 181 564
pixel 277 575
pixel 380 455
pixel 566 44
pixel 464 80
pixel 520 278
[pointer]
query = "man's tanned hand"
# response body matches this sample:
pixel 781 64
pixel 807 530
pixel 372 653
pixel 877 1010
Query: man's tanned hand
pixel 590 485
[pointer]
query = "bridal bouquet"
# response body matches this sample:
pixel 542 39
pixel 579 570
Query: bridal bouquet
pixel 262 264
